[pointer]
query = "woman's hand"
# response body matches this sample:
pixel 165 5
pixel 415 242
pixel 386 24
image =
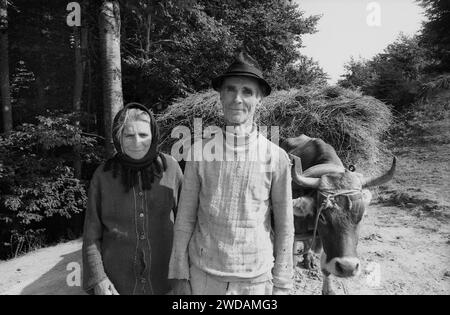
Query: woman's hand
pixel 181 287
pixel 105 287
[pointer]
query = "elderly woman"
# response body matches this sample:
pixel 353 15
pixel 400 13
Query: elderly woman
pixel 128 226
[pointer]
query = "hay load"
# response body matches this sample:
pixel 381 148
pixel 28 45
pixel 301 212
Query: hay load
pixel 352 123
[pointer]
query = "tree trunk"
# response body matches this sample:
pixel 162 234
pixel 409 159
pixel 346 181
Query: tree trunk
pixel 80 65
pixel 148 26
pixel 80 35
pixel 4 69
pixel 109 23
pixel 41 100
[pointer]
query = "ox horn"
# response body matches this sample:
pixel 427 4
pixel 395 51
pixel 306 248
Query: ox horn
pixel 322 169
pixel 303 181
pixel 299 179
pixel 380 180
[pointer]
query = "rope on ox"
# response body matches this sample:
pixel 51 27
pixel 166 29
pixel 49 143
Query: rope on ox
pixel 329 202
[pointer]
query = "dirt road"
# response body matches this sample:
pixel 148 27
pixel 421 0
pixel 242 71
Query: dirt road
pixel 401 254
pixel 45 271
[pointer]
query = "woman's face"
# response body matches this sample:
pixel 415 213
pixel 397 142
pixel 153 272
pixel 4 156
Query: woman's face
pixel 136 139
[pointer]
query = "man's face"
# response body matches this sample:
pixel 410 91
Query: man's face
pixel 136 139
pixel 239 97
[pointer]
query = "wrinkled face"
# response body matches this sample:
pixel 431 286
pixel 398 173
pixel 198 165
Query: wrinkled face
pixel 136 139
pixel 239 97
pixel 339 224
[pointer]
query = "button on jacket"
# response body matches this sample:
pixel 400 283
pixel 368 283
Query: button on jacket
pixel 128 235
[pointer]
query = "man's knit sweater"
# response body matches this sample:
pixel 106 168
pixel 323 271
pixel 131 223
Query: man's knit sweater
pixel 224 225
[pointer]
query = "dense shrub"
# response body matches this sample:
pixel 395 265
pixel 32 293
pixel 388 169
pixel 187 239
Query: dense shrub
pixel 354 124
pixel 435 84
pixel 40 198
pixel 305 71
pixel 426 122
pixel 435 35
pixel 394 76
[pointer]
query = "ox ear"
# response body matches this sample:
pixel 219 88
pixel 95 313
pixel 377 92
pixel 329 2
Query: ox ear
pixel 304 206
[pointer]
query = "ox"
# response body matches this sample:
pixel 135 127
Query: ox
pixel 329 203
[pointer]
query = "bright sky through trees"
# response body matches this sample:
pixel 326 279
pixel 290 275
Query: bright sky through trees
pixel 354 28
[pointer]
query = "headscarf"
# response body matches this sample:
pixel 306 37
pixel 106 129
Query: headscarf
pixel 151 165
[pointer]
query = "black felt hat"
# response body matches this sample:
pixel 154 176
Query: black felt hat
pixel 246 66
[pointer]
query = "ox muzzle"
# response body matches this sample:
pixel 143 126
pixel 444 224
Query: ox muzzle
pixel 337 223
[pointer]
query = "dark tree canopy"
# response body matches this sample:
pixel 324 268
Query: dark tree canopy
pixel 172 48
pixel 270 30
pixel 41 60
pixel 169 48
pixel 436 32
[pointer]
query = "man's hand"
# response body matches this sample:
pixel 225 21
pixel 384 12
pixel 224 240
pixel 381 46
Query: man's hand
pixel 105 287
pixel 280 291
pixel 181 287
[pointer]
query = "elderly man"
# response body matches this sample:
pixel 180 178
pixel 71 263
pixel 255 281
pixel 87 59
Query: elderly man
pixel 225 241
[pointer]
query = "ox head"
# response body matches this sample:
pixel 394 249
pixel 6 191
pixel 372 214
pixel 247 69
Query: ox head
pixel 339 206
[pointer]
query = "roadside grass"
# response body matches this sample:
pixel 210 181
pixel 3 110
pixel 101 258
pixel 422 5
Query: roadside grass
pixel 421 141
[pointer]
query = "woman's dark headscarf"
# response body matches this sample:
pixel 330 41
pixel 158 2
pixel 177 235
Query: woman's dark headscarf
pixel 151 165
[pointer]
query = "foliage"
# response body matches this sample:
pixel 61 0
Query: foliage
pixel 172 48
pixel 427 120
pixel 270 30
pixel 41 59
pixel 354 124
pixel 39 52
pixel 358 72
pixel 182 49
pixel 393 76
pixel 169 48
pixel 435 84
pixel 305 71
pixel 37 182
pixel 412 67
pixel 435 35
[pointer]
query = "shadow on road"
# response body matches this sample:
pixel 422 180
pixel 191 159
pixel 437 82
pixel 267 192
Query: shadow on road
pixel 54 282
